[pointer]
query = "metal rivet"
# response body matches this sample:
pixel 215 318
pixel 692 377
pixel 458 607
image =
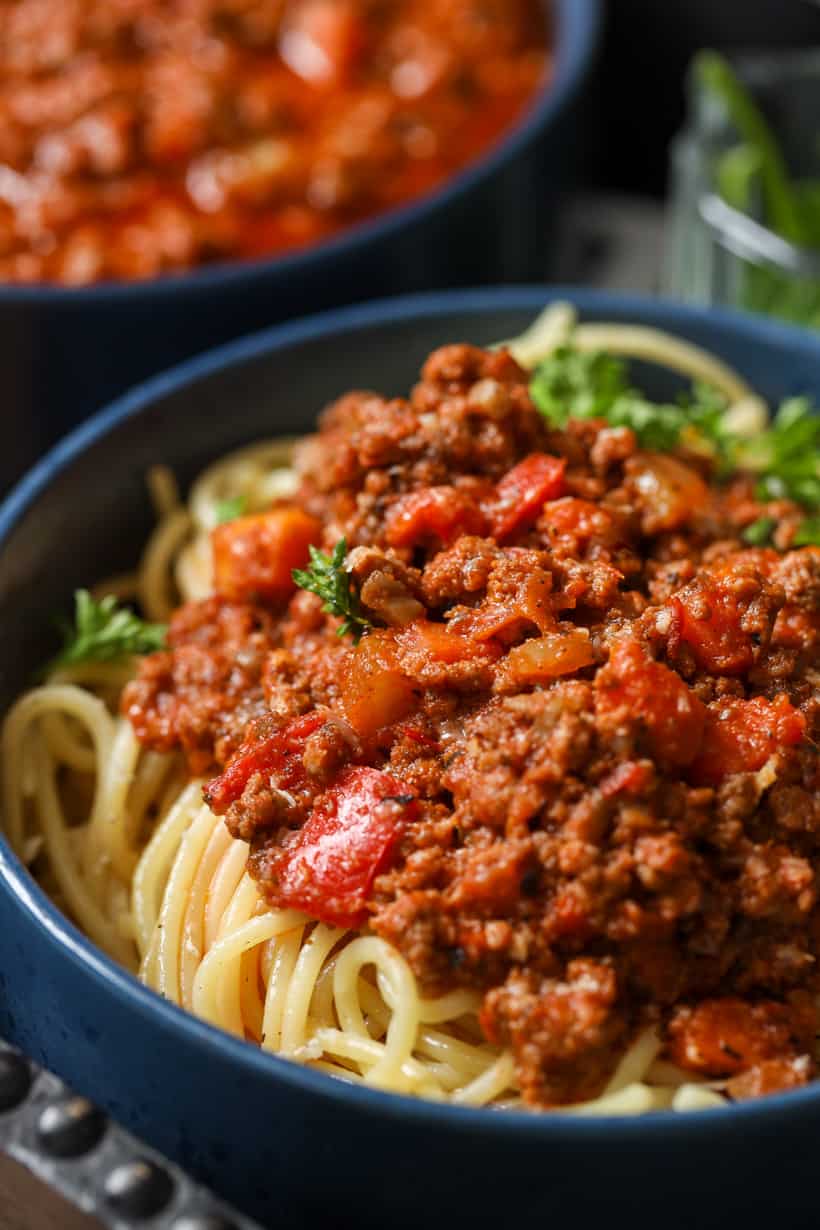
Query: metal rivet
pixel 70 1127
pixel 15 1079
pixel 138 1189
pixel 203 1221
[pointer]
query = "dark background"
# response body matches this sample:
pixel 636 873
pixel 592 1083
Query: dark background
pixel 638 103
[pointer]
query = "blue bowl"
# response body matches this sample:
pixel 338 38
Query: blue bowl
pixel 65 352
pixel 290 1146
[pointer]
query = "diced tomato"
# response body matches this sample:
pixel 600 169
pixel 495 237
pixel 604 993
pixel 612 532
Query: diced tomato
pixel 280 755
pixel 522 493
pixel 379 685
pixel 255 556
pixel 346 842
pixel 574 524
pixel 718 1037
pixel 374 690
pixel 708 615
pixel 441 643
pixel 633 688
pixel 437 515
pixel 549 657
pixel 741 735
pixel 322 40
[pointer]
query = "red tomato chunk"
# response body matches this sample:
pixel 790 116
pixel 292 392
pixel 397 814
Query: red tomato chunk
pixel 280 755
pixel 629 777
pixel 374 691
pixel 254 557
pixel 715 617
pixel 330 866
pixel 436 514
pixel 431 640
pixel 522 494
pixel 741 735
pixel 322 40
pixel 633 689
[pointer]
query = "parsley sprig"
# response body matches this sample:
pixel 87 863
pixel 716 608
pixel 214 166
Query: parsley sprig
pixel 759 532
pixel 572 384
pixel 229 510
pixel 785 458
pixel 808 534
pixel 104 631
pixel 326 577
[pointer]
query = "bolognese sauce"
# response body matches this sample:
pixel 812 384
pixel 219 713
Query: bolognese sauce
pixel 564 753
pixel 139 137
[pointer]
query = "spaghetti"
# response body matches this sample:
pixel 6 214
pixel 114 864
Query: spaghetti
pixel 119 836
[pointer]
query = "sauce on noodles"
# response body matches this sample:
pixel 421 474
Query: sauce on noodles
pixel 541 826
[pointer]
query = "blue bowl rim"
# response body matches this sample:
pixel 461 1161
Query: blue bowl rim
pixel 190 1030
pixel 579 24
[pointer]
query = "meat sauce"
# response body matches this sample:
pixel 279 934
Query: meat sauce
pixel 571 764
pixel 139 137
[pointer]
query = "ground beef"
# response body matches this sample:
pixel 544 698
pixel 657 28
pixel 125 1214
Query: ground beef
pixel 596 710
pixel 722 1037
pixel 202 694
pixel 557 1028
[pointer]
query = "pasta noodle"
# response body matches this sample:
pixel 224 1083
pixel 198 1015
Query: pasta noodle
pixel 127 847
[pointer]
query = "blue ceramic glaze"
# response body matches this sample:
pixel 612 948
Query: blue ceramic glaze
pixel 65 352
pixel 293 1147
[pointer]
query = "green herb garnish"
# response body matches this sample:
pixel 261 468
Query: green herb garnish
pixel 571 384
pixel 785 458
pixel 105 631
pixel 759 533
pixel 326 577
pixel 229 510
pixel 808 534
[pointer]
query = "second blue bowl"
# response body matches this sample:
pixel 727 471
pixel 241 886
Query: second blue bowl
pixel 65 352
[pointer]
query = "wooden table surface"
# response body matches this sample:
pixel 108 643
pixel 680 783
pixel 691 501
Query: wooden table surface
pixel 28 1204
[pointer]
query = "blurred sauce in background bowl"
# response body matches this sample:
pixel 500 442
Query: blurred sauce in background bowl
pixel 472 217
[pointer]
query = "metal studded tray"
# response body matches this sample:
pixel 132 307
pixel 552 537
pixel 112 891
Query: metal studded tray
pixel 65 1166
